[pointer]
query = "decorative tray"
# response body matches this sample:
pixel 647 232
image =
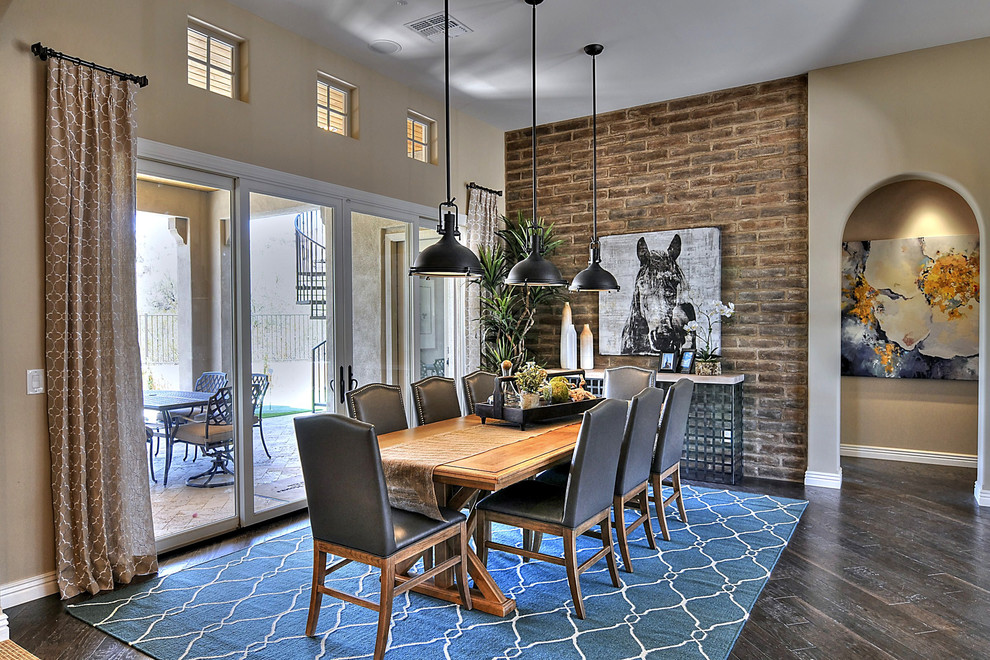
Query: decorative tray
pixel 523 416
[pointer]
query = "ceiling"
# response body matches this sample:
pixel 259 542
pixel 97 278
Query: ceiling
pixel 655 50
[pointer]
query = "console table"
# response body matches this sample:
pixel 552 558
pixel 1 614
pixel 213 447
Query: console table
pixel 713 447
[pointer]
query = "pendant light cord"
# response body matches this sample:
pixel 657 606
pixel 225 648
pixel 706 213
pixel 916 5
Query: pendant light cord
pixel 594 150
pixel 446 89
pixel 534 117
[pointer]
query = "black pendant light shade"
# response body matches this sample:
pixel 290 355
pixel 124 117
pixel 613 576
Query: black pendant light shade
pixel 594 277
pixel 447 257
pixel 534 270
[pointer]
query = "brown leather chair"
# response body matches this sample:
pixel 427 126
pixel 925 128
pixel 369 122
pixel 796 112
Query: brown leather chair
pixel 477 387
pixel 627 382
pixel 568 510
pixel 435 399
pixel 670 443
pixel 351 518
pixel 380 405
pixel 632 476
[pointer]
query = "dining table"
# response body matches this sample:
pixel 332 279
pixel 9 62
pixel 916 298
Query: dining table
pixel 167 402
pixel 514 455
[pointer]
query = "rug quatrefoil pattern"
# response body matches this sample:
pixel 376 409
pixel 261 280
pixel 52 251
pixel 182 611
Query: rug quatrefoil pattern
pixel 688 599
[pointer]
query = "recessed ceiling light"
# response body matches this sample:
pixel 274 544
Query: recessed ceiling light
pixel 385 47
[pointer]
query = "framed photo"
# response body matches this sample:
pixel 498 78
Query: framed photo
pixel 668 361
pixel 687 361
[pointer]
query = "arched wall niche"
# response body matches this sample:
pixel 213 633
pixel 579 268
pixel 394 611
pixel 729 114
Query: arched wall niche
pixel 923 420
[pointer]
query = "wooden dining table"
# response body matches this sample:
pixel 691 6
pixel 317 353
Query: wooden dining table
pixel 459 482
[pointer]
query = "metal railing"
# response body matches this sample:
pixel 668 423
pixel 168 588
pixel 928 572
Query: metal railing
pixel 158 337
pixel 311 263
pixel 322 385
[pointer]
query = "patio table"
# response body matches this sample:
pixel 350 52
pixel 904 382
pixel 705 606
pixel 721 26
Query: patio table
pixel 166 402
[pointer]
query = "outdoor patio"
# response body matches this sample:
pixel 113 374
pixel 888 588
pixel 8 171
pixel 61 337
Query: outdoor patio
pixel 178 507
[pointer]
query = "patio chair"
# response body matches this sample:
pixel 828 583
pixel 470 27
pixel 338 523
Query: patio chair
pixel 667 457
pixel 208 381
pixel 215 436
pixel 259 387
pixel 351 518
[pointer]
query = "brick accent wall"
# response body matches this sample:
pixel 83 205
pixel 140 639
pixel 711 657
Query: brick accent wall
pixel 734 159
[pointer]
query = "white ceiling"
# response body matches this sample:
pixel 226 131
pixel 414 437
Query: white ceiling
pixel 655 50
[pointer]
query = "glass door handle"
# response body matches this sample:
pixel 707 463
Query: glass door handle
pixel 343 385
pixel 351 380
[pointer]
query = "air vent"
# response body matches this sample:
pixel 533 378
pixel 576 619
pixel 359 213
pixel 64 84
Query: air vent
pixel 431 27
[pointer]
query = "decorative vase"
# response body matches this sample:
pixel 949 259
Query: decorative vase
pixel 529 400
pixel 587 348
pixel 510 396
pixel 568 339
pixel 708 367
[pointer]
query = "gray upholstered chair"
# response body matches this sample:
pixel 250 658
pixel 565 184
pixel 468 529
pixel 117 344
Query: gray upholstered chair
pixel 380 405
pixel 670 443
pixel 633 473
pixel 214 435
pixel 435 399
pixel 351 518
pixel 627 382
pixel 259 387
pixel 568 510
pixel 477 387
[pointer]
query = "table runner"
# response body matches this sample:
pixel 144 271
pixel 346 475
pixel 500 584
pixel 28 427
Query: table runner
pixel 409 466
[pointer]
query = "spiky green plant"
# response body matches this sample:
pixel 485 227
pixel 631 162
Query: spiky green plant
pixel 508 313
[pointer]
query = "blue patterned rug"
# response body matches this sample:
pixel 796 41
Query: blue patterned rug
pixel 690 599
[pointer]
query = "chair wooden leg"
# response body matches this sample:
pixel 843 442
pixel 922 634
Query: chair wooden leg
pixel 385 608
pixel 537 541
pixel 571 563
pixel 613 570
pixel 680 496
pixel 462 575
pixel 527 542
pixel 658 500
pixel 316 596
pixel 644 508
pixel 618 506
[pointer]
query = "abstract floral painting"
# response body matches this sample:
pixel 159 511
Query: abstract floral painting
pixel 911 308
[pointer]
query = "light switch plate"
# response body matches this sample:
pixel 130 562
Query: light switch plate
pixel 35 381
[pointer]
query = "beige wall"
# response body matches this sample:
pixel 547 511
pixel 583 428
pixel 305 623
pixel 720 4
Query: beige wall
pixel 920 114
pixel 276 129
pixel 927 415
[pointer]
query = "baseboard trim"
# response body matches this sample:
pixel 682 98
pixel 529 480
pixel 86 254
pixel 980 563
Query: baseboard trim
pixel 909 455
pixel 4 627
pixel 17 593
pixel 982 496
pixel 823 479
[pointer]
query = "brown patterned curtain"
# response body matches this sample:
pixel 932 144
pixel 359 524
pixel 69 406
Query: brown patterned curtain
pixel 479 230
pixel 103 526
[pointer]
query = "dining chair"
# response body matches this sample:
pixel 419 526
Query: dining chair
pixel 351 518
pixel 435 399
pixel 569 510
pixel 632 475
pixel 208 381
pixel 259 387
pixel 670 443
pixel 477 386
pixel 627 382
pixel 380 405
pixel 214 436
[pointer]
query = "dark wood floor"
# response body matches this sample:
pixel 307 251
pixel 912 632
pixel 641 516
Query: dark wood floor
pixel 892 566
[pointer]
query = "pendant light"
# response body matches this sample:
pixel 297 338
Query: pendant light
pixel 534 270
pixel 594 277
pixel 447 257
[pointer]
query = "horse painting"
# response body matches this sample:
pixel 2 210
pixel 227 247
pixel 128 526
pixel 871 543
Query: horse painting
pixel 656 315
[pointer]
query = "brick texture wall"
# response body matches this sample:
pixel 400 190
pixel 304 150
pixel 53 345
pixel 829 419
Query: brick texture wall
pixel 734 159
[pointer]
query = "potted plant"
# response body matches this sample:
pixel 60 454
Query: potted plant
pixel 530 379
pixel 508 313
pixel 708 362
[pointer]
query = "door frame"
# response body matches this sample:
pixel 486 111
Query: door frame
pixel 250 178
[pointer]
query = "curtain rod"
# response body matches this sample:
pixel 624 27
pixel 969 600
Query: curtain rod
pixel 475 185
pixel 43 52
